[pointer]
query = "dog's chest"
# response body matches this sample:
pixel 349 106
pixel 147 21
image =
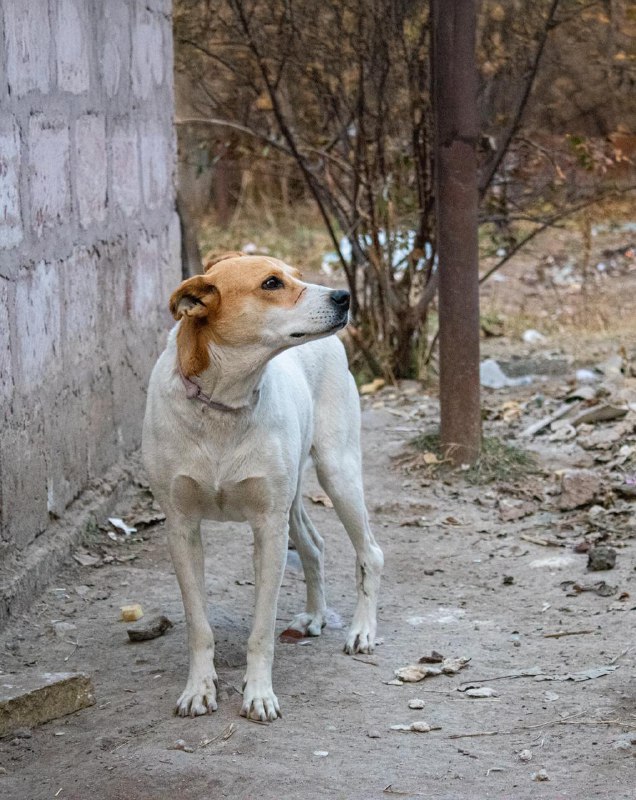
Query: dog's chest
pixel 225 501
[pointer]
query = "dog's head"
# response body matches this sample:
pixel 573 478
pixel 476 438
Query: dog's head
pixel 258 301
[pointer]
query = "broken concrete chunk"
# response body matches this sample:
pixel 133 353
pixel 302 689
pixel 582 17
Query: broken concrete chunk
pixel 27 700
pixel 603 412
pixel 579 487
pixel 152 628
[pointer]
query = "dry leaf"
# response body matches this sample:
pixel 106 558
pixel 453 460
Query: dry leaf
pixel 321 499
pixel 373 387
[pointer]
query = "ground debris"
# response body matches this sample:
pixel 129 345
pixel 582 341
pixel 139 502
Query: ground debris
pixel 373 387
pixel 86 559
pixel 120 525
pixel 434 658
pixel 131 613
pixel 414 673
pixel 225 734
pixel 181 744
pixel 603 412
pixel 416 703
pixel 579 487
pixel 481 692
pixel 511 509
pixel 601 558
pixel 583 675
pixel 151 628
pixel 601 588
pixel 321 499
pixel 541 775
pixel 418 726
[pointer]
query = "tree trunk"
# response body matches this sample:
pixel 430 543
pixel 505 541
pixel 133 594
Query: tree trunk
pixel 456 128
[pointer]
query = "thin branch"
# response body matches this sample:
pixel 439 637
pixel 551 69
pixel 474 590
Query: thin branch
pixel 492 168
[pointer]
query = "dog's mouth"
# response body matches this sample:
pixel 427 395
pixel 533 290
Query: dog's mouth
pixel 338 326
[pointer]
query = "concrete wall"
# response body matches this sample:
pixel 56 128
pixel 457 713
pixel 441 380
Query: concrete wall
pixel 89 244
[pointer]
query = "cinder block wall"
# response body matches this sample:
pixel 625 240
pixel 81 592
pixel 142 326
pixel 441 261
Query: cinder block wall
pixel 89 244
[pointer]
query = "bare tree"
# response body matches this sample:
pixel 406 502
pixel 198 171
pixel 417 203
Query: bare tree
pixel 343 90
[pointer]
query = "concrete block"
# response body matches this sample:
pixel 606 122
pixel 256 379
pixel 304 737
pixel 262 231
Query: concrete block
pixel 27 44
pixel 145 281
pixel 24 502
pixel 156 164
pixel 103 445
pixel 126 186
pixel 6 368
pixel 66 442
pixel 10 216
pixel 49 173
pixel 91 166
pixel 80 309
pixel 72 46
pixel 37 325
pixel 147 51
pixel 27 700
pixel 115 48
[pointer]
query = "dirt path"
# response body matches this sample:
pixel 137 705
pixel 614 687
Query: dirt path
pixel 447 555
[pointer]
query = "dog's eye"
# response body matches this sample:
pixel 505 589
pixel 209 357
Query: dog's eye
pixel 272 283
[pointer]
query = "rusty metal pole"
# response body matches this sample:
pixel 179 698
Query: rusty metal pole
pixel 456 129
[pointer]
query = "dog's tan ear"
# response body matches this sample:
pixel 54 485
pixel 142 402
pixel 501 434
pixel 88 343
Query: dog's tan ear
pixel 213 258
pixel 196 297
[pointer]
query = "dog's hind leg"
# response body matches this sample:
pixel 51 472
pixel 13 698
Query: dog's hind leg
pixel 311 549
pixel 336 454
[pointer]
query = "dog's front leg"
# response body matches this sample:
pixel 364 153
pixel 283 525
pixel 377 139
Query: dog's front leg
pixel 270 551
pixel 186 549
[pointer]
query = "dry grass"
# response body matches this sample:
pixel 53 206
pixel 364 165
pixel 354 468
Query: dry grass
pixel 297 237
pixel 498 461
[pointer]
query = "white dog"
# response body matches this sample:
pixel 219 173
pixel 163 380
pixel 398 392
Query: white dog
pixel 233 415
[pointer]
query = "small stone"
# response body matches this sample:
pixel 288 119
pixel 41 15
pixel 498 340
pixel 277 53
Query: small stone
pixel 321 753
pixel 182 745
pixel 540 776
pixel 151 628
pixel 601 558
pixel 373 733
pixel 416 703
pixel 3 771
pixel 579 487
pixel 525 756
pixel 508 580
pixel 62 629
pixel 482 691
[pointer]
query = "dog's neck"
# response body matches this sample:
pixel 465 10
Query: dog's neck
pixel 233 376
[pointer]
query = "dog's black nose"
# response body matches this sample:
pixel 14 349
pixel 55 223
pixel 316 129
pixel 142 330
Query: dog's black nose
pixel 341 298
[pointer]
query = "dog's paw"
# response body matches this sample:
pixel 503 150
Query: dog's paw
pixel 199 696
pixel 360 639
pixel 308 624
pixel 260 702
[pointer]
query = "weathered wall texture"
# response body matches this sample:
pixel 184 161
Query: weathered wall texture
pixel 89 244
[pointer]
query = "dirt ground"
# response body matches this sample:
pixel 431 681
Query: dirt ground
pixel 459 579
pixel 495 572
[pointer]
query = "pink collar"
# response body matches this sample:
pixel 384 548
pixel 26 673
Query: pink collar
pixel 195 392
